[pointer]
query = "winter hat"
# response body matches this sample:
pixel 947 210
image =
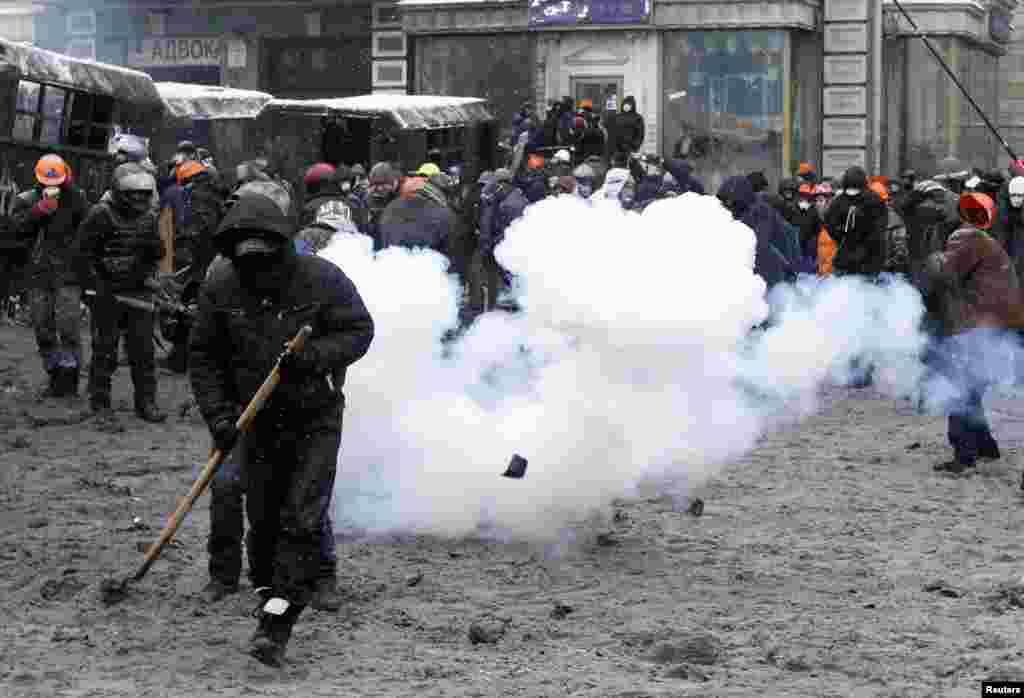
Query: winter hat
pixel 319 173
pixel 855 178
pixel 486 177
pixel 358 170
pixel 758 181
pixel 535 162
pixel 383 172
pixel 428 169
pixel 584 171
pixel 131 146
pixel 579 123
pixel 978 210
pixel 502 174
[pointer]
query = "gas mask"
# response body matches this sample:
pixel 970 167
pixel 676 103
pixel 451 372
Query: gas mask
pixel 804 204
pixel 851 192
pixel 627 108
pixel 51 192
pixel 346 186
pixel 788 194
pixel 584 188
pixel 1017 192
pixel 260 264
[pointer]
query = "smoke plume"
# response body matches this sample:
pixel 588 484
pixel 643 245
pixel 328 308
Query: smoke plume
pixel 639 355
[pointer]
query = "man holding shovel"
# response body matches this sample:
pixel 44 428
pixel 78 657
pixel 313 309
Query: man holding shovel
pixel 247 311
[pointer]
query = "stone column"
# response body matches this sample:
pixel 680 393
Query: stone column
pixel 848 105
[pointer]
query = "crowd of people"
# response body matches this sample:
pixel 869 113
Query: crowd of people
pixel 229 274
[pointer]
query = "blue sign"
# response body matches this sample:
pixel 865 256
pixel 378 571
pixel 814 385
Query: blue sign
pixel 582 12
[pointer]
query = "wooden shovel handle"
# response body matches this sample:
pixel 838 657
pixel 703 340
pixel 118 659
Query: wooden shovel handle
pixel 217 458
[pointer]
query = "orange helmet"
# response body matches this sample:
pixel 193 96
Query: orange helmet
pixel 879 189
pixel 52 171
pixel 807 191
pixel 587 104
pixel 189 169
pixel 805 169
pixel 978 210
pixel 535 162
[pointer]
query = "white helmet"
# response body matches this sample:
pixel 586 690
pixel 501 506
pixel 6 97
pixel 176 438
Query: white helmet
pixel 1017 192
pixel 334 214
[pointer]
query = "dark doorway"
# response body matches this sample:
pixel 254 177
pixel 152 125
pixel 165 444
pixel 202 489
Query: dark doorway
pixel 194 74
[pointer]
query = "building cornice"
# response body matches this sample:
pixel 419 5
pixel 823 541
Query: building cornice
pixel 965 19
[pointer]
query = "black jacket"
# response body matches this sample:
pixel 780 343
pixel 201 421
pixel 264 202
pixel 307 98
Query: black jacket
pixel 237 337
pixel 858 224
pixel 47 244
pixel 626 130
pixel 117 249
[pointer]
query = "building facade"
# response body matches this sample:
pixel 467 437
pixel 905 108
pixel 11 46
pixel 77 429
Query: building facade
pixel 739 86
pixel 290 48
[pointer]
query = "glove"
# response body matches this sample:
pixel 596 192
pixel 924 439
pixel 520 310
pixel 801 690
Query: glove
pixel 224 435
pixel 293 365
pixel 44 208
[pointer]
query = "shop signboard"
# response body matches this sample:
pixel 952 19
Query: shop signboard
pixel 544 13
pixel 835 161
pixel 846 70
pixel 847 37
pixel 160 52
pixel 846 101
pixel 846 10
pixel 844 132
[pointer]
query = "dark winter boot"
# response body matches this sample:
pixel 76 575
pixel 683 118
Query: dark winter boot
pixel 53 387
pixel 326 596
pixel 148 411
pixel 216 591
pixel 72 378
pixel 276 619
pixel 956 466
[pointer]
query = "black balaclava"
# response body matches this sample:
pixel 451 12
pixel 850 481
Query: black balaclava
pixel 262 271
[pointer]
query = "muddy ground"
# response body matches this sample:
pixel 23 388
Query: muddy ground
pixel 829 562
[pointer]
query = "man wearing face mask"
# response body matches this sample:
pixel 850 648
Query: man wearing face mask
pixel 247 311
pixel 1010 230
pixel 808 220
pixel 45 220
pixel 786 200
pixel 626 130
pixel 120 249
pixel 384 181
pixel 856 221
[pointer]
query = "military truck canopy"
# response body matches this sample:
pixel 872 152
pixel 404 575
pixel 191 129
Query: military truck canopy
pixel 187 101
pixel 407 111
pixel 131 88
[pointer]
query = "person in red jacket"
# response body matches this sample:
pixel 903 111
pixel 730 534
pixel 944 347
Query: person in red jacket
pixel 986 295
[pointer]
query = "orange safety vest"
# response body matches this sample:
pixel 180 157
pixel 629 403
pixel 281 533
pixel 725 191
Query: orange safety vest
pixel 827 248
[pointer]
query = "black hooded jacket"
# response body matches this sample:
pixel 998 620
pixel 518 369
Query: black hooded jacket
pixel 857 224
pixel 238 334
pixel 626 130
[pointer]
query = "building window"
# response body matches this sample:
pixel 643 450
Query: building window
pixel 84 49
pixel 389 73
pixel 387 15
pixel 389 44
pixel 39 114
pixel 312 24
pixel 91 121
pixel 156 23
pixel 732 82
pixel 81 23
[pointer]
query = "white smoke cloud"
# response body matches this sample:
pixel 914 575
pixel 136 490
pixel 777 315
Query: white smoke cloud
pixel 633 359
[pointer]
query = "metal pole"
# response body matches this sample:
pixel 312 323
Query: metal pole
pixel 956 81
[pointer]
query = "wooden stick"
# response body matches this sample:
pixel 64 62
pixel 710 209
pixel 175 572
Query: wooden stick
pixel 217 457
